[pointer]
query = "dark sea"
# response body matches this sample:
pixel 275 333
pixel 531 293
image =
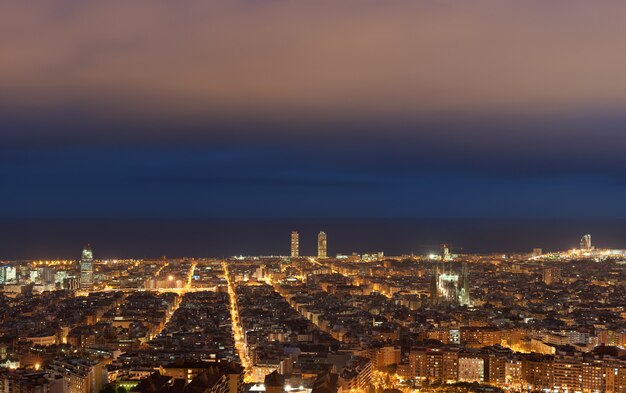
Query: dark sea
pixel 148 238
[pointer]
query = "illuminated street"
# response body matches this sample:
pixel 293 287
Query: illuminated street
pixel 236 325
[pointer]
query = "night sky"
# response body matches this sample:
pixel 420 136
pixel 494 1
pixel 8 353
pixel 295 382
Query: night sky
pixel 351 108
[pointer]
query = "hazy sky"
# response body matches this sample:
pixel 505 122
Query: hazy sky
pixel 313 108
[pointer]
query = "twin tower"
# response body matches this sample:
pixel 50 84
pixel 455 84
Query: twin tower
pixel 321 244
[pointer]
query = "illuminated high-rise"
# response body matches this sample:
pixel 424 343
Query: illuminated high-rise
pixel 86 268
pixel 295 244
pixel 321 245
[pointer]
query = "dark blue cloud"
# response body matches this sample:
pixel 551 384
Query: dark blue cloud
pixel 289 182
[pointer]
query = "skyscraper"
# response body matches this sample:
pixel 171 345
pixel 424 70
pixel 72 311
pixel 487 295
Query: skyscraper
pixel 86 268
pixel 295 244
pixel 321 245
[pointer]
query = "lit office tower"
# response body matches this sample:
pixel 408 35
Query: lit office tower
pixel 295 244
pixel 86 268
pixel 321 245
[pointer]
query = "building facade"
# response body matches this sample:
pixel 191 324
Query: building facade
pixel 86 268
pixel 295 244
pixel 322 245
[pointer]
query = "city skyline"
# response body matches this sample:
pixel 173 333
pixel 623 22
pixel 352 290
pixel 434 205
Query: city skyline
pixel 42 239
pixel 355 196
pixel 585 249
pixel 317 324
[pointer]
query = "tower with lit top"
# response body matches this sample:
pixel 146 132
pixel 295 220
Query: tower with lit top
pixel 86 268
